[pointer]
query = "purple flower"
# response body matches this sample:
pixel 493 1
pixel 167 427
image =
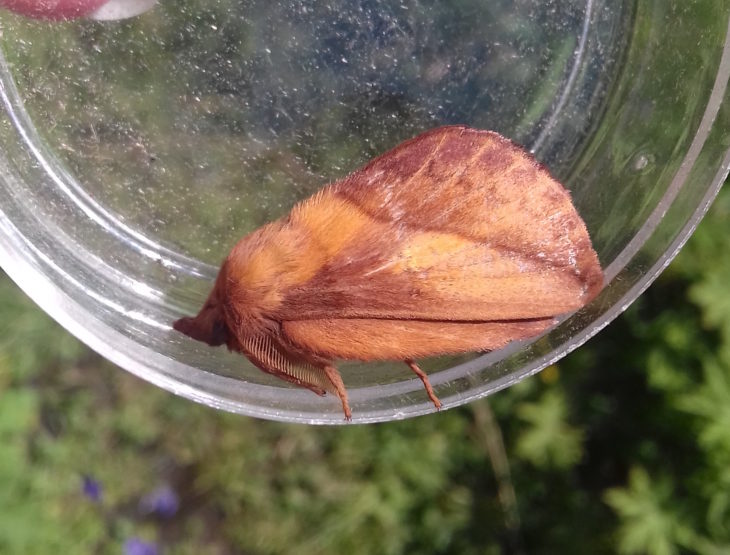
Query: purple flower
pixel 136 546
pixel 163 502
pixel 91 488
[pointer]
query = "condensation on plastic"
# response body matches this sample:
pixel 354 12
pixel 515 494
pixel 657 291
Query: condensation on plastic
pixel 134 154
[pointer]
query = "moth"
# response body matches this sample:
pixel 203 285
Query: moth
pixel 454 241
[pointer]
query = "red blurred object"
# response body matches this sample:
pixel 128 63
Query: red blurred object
pixel 52 9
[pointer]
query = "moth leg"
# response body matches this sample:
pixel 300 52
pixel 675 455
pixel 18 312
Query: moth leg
pixel 424 378
pixel 336 380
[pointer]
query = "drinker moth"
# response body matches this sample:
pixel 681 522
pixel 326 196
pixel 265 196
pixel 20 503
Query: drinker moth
pixel 454 241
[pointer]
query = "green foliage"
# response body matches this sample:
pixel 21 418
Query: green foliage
pixel 33 513
pixel 686 350
pixel 709 291
pixel 548 441
pixel 648 524
pixel 709 402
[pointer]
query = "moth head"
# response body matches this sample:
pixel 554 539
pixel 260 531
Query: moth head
pixel 209 325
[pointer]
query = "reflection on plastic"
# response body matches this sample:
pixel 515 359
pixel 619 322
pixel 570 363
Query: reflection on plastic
pixel 72 9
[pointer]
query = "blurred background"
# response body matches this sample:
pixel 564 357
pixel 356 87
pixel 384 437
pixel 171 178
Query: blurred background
pixel 623 446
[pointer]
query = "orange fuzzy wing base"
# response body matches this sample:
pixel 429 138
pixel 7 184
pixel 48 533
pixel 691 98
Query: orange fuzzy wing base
pixel 372 339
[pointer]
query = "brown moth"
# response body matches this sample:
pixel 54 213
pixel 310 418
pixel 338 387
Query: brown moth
pixel 454 241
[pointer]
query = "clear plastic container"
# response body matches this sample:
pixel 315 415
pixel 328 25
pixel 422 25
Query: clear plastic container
pixel 135 153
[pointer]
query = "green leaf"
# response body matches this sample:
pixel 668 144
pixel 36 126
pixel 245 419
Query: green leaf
pixel 710 402
pixel 647 525
pixel 549 440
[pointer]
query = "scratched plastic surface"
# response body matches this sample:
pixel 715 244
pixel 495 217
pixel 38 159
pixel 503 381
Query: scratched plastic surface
pixel 135 153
